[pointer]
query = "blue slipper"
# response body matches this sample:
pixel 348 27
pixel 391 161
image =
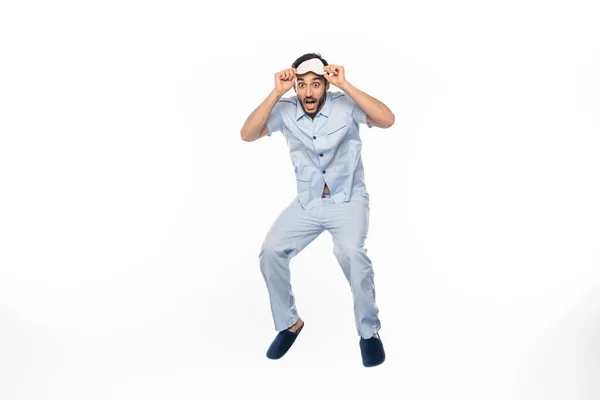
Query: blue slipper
pixel 372 351
pixel 282 343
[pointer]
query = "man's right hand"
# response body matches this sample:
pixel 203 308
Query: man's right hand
pixel 284 81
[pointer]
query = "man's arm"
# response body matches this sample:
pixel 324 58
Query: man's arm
pixel 378 114
pixel 255 126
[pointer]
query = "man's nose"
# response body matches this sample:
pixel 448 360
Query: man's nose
pixel 308 91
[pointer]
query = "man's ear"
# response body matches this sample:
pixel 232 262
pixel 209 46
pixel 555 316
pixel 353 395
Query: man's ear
pixel 326 85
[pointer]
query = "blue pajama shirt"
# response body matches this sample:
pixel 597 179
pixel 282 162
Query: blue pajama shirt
pixel 323 150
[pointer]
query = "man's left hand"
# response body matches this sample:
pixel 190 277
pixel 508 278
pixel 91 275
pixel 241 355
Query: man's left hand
pixel 338 78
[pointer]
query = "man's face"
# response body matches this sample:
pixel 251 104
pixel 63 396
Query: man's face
pixel 312 91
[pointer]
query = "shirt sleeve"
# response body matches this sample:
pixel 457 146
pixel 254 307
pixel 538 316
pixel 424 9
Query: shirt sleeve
pixel 358 114
pixel 275 120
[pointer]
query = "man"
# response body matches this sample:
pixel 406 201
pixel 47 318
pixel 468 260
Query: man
pixel 322 132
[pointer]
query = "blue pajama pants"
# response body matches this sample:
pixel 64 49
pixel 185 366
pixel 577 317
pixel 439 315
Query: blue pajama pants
pixel 293 230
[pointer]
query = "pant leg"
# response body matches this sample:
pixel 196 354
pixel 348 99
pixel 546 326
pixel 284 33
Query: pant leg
pixel 348 224
pixel 291 232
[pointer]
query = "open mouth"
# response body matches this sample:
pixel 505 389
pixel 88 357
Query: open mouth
pixel 310 102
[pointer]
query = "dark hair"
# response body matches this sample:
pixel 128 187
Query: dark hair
pixel 308 56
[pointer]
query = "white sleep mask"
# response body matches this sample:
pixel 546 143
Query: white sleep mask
pixel 313 65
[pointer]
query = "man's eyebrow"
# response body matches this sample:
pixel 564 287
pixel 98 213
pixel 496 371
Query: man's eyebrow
pixel 313 79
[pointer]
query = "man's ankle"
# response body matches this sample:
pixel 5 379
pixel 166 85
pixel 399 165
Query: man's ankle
pixel 296 326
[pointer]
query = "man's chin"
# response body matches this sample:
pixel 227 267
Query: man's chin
pixel 311 110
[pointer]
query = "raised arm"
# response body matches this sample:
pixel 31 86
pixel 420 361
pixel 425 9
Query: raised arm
pixel 255 126
pixel 378 114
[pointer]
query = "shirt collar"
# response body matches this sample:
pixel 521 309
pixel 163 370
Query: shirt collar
pixel 324 111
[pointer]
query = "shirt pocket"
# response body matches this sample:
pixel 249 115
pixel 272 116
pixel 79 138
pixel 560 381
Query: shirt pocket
pixel 338 130
pixel 303 176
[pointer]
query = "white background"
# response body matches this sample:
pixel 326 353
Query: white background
pixel 132 213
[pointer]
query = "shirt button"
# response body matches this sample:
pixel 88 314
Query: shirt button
pixel 321 154
pixel 323 171
pixel 314 137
